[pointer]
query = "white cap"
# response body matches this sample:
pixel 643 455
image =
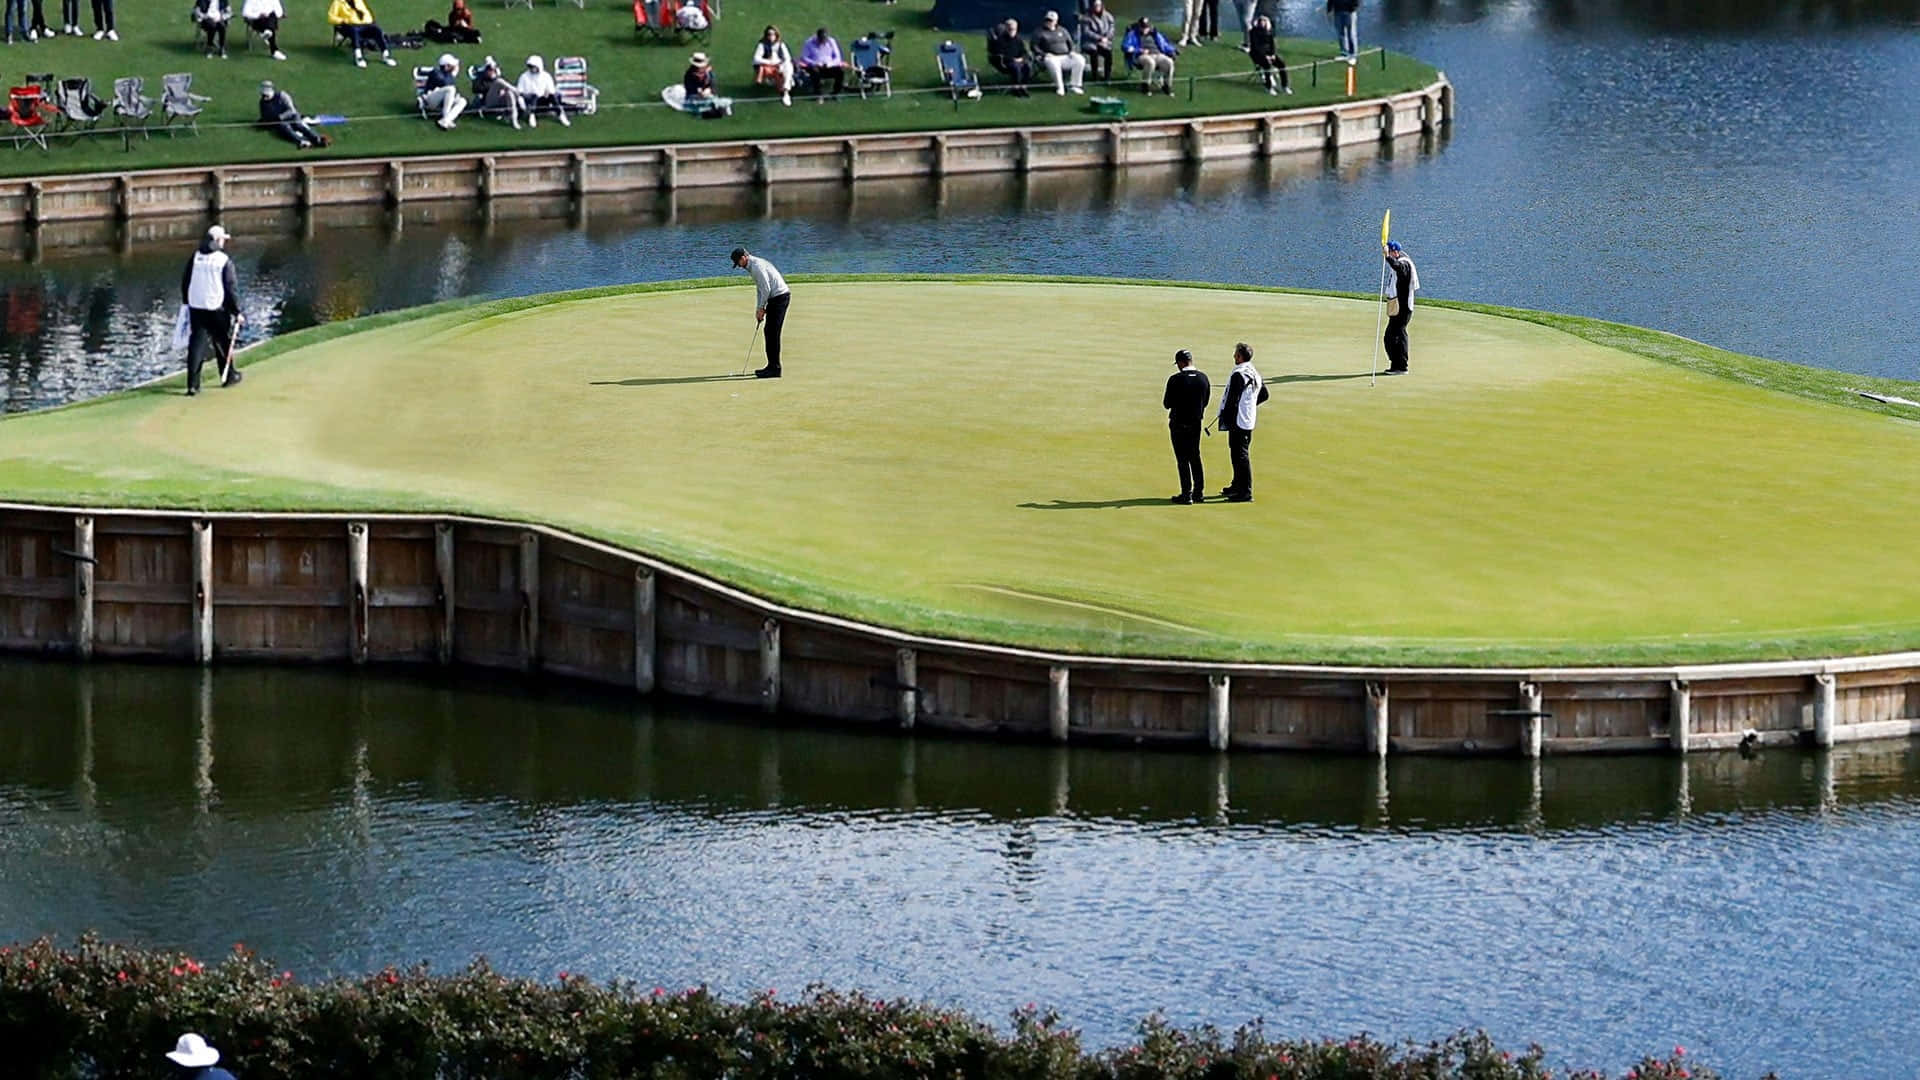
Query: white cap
pixel 219 236
pixel 447 59
pixel 192 1051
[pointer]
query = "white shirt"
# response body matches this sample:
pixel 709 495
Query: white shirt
pixel 260 9
pixel 1393 280
pixel 205 289
pixel 767 282
pixel 690 17
pixel 775 55
pixel 1249 396
pixel 536 84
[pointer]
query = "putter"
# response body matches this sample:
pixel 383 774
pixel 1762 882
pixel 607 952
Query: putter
pixel 226 359
pixel 748 362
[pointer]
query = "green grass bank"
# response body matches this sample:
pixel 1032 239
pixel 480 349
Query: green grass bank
pixel 156 39
pixel 1543 489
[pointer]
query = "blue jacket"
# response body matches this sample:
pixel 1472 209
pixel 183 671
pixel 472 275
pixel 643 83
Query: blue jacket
pixel 1130 44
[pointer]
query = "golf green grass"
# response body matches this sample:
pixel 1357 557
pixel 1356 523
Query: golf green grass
pixel 156 38
pixel 959 457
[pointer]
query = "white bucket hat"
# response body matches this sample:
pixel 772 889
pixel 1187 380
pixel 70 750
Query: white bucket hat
pixel 193 1052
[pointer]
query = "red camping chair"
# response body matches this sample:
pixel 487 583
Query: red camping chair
pixel 644 22
pixel 26 112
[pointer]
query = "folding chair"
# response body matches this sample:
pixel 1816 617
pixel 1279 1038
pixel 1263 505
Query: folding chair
pixel 420 90
pixel 955 75
pixel 131 107
pixel 78 107
pixel 873 64
pixel 570 80
pixel 179 102
pixel 26 113
pixel 528 4
pixel 644 23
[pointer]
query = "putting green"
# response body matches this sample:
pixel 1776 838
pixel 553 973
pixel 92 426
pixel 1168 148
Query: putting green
pixel 988 459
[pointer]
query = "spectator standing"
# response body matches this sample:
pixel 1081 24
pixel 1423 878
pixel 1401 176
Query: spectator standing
pixel 441 93
pixel 212 295
pixel 822 60
pixel 1055 48
pixel 70 17
pixel 212 16
pixel 37 28
pixel 493 95
pixel 196 1060
pixel 773 62
pixel 355 19
pixel 1149 50
pixel 1096 40
pixel 103 21
pixel 538 94
pixel 278 114
pixel 1265 52
pixel 16 19
pixel 1209 20
pixel 1008 53
pixel 1238 410
pixel 1190 23
pixel 1403 280
pixel 1185 400
pixel 263 18
pixel 771 298
pixel 1346 26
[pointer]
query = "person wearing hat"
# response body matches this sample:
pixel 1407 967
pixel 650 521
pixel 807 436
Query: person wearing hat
pixel 698 82
pixel 1185 400
pixel 1148 51
pixel 278 114
pixel 821 60
pixel 1054 46
pixel 493 95
pixel 1403 280
pixel 1239 408
pixel 212 297
pixel 538 94
pixel 197 1060
pixel 441 92
pixel 771 297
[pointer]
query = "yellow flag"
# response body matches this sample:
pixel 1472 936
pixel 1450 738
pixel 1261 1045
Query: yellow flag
pixel 1385 220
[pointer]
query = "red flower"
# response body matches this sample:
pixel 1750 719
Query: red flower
pixel 121 976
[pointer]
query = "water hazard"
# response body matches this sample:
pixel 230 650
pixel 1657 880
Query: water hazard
pixel 1748 909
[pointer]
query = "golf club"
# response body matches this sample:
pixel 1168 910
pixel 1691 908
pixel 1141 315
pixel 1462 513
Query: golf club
pixel 748 362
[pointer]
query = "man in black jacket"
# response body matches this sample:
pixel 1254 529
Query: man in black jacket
pixel 1403 280
pixel 1008 53
pixel 1186 403
pixel 1239 406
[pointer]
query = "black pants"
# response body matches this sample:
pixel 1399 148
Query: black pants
pixel 103 14
pixel 216 32
pixel 1395 339
pixel 212 332
pixel 298 132
pixel 776 318
pixel 1186 458
pixel 1270 66
pixel 1099 64
pixel 39 23
pixel 1238 440
pixel 69 13
pixel 822 74
pixel 1210 19
pixel 267 29
pixel 450 35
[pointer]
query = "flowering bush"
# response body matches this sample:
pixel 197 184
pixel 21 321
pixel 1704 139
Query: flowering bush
pixel 98 1010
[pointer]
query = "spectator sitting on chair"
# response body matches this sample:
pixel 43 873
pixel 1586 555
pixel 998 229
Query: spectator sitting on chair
pixel 1266 54
pixel 538 94
pixel 689 18
pixel 457 30
pixel 263 18
pixel 822 60
pixel 1007 52
pixel 1096 40
pixel 1150 51
pixel 354 19
pixel 212 17
pixel 278 114
pixel 773 62
pixel 1054 47
pixel 494 96
pixel 441 94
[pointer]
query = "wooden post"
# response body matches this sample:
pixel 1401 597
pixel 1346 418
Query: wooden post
pixel 357 611
pixel 1057 714
pixel 1447 103
pixel 1196 142
pixel 762 165
pixel 1825 708
pixel 304 189
pixel 1269 135
pixel 939 157
pixel 1377 714
pixel 35 213
pixel 83 587
pixel 443 572
pixel 1024 159
pixel 1679 715
pixel 669 168
pixel 1333 130
pixel 529 600
pixel 1389 121
pixel 577 174
pixel 1219 711
pixel 488 178
pixel 123 196
pixel 906 672
pixel 853 160
pixel 1530 723
pixel 216 191
pixel 770 665
pixel 1116 145
pixel 1429 114
pixel 645 627
pixel 202 615
pixel 396 183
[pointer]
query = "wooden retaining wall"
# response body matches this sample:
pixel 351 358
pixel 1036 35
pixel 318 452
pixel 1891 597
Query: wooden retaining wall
pixel 399 589
pixel 577 174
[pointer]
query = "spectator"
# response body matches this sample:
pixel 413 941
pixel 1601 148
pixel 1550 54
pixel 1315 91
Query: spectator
pixel 1055 48
pixel 440 94
pixel 538 94
pixel 70 17
pixel 1007 52
pixel 822 60
pixel 103 21
pixel 354 19
pixel 1149 50
pixel 697 82
pixel 16 17
pixel 457 30
pixel 196 1059
pixel 773 63
pixel 212 17
pixel 1096 40
pixel 690 18
pixel 263 18
pixel 494 96
pixel 278 114
pixel 1346 23
pixel 1266 54
pixel 38 27
pixel 1209 21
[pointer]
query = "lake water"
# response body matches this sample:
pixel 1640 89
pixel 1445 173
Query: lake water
pixel 1755 188
pixel 1754 911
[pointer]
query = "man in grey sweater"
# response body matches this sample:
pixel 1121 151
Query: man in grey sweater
pixel 1096 40
pixel 771 297
pixel 1054 46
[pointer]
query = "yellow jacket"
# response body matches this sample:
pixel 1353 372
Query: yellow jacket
pixel 348 13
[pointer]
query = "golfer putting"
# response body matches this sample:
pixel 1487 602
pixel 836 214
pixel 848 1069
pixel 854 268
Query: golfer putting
pixel 771 297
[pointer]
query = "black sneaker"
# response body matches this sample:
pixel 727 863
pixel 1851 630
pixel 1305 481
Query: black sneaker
pixel 1226 492
pixel 1240 496
pixel 191 391
pixel 767 373
pixel 1181 499
pixel 1395 371
pixel 233 377
pixel 1199 497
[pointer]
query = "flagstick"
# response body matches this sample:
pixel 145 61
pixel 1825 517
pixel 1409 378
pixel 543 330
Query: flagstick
pixel 1380 314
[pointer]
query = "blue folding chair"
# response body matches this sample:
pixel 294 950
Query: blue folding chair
pixel 955 74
